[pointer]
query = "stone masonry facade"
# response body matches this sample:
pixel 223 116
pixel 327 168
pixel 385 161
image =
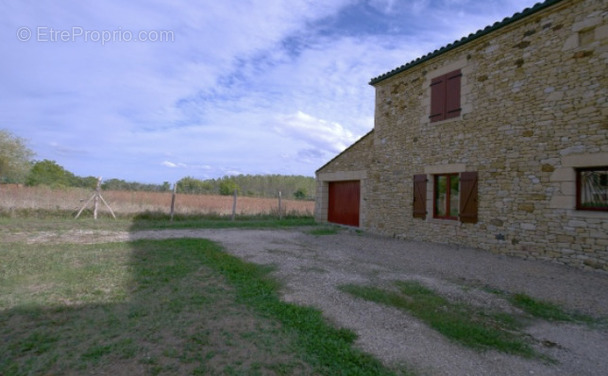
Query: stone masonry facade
pixel 534 107
pixel 352 164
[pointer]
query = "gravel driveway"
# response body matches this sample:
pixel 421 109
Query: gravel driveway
pixel 311 267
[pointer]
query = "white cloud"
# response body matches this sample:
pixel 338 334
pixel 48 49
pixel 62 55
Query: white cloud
pixel 168 164
pixel 322 134
pixel 252 87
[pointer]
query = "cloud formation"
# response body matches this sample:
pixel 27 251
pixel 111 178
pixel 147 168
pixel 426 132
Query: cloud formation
pixel 318 134
pixel 253 87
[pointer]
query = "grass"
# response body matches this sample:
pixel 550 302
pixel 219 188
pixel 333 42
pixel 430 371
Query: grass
pixel 55 221
pixel 161 221
pixel 35 209
pixel 327 348
pixel 549 311
pixel 321 231
pixel 472 326
pixel 462 323
pixel 180 306
pixel 545 310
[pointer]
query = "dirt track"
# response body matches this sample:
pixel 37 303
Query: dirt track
pixel 311 268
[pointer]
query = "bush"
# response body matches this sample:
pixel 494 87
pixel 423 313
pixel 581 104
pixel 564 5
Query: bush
pixel 49 173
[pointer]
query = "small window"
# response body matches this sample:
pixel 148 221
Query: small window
pixel 455 196
pixel 445 96
pixel 447 198
pixel 592 188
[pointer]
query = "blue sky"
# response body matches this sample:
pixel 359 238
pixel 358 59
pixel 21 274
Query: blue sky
pixel 154 91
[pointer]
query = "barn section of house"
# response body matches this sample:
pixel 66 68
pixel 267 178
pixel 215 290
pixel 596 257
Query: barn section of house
pixel 349 169
pixel 498 141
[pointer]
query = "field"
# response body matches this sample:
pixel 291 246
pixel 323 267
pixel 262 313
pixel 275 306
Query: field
pixel 154 307
pixel 15 198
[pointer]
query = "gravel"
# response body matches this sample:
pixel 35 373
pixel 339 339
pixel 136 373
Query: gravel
pixel 312 267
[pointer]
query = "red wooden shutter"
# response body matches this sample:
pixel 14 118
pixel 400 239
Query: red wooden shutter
pixel 420 196
pixel 438 91
pixel 452 106
pixel 445 96
pixel 468 198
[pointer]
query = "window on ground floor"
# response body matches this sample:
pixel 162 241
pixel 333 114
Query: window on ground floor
pixel 454 196
pixel 446 197
pixel 592 188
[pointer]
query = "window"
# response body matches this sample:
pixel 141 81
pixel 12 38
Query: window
pixel 592 188
pixel 454 196
pixel 445 96
pixel 445 202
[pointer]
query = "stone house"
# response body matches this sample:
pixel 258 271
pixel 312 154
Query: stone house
pixel 497 141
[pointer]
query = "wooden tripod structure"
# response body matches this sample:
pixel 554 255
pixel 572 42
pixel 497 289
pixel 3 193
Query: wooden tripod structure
pixel 95 198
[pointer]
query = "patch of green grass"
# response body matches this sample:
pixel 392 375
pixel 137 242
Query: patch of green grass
pixel 179 306
pixel 62 224
pixel 143 222
pixel 82 308
pixel 462 323
pixel 63 275
pixel 548 311
pixel 323 231
pixel 148 221
pixel 544 310
pixel 37 342
pixel 327 348
pixel 31 213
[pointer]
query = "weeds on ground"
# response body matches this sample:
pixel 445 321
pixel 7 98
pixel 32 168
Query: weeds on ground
pixel 162 221
pixel 545 310
pixel 462 323
pixel 126 306
pixel 333 230
pixel 328 349
pixel 472 326
pixel 180 306
pixel 549 311
pixel 55 221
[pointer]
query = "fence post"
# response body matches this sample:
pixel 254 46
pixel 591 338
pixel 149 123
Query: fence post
pixel 173 201
pixel 280 209
pixel 96 197
pixel 234 205
pixel 96 200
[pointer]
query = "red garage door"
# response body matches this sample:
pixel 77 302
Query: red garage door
pixel 343 202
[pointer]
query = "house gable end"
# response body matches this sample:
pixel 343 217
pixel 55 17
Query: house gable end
pixel 471 37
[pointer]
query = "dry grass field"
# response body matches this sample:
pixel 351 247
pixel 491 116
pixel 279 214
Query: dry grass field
pixel 13 197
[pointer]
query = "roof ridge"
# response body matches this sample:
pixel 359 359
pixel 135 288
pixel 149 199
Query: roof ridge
pixel 479 33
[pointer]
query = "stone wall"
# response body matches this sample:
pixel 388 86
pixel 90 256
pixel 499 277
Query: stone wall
pixel 352 164
pixel 534 107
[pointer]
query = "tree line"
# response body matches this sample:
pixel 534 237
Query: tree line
pixel 18 167
pixel 291 186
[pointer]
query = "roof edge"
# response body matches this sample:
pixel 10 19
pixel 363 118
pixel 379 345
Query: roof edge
pixel 345 150
pixel 471 37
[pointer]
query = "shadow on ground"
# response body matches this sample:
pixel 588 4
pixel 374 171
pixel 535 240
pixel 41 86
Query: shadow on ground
pixel 141 307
